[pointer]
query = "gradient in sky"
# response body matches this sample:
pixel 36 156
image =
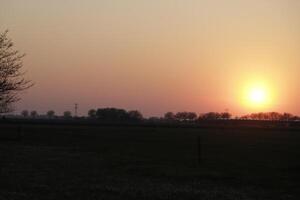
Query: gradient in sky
pixel 156 56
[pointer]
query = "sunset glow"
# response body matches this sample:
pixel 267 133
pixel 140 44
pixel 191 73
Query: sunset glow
pixel 258 96
pixel 158 56
pixel 150 99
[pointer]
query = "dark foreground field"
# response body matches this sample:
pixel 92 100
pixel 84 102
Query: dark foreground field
pixel 69 162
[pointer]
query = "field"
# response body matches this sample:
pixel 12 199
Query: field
pixel 102 162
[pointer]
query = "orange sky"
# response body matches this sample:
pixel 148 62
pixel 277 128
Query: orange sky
pixel 156 56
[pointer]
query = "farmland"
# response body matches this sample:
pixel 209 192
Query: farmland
pixel 117 162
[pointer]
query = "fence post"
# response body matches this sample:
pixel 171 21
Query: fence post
pixel 199 146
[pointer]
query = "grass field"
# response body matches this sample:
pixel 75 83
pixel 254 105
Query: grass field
pixel 78 162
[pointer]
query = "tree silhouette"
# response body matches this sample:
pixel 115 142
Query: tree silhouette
pixel 225 115
pixel 112 114
pixel 135 115
pixel 92 113
pixel 12 79
pixel 169 116
pixel 50 113
pixel 210 116
pixel 191 116
pixel 115 114
pixel 273 116
pixel 287 117
pixel 67 114
pixel 33 114
pixel 25 113
pixel 186 116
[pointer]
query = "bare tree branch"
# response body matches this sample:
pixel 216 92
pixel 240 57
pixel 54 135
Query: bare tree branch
pixel 11 76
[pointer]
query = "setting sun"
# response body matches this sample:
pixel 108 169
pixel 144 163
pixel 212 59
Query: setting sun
pixel 258 96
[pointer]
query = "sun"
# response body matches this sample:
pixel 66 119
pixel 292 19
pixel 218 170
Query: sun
pixel 257 93
pixel 258 96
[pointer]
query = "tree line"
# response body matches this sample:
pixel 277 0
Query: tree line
pixel 120 115
pixel 274 116
pixel 116 114
pixel 49 114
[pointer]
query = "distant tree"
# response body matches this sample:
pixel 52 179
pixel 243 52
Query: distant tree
pixel 287 117
pixel 210 116
pixel 67 114
pixel 135 115
pixel 225 115
pixel 154 119
pixel 253 116
pixel 256 116
pixel 25 113
pixel 296 118
pixel 12 79
pixel 92 113
pixel 273 116
pixel 191 116
pixel 169 116
pixel 263 116
pixel 50 114
pixel 186 116
pixel 180 116
pixel 33 114
pixel 112 114
pixel 244 117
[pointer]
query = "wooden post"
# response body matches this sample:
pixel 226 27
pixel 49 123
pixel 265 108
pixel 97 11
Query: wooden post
pixel 199 145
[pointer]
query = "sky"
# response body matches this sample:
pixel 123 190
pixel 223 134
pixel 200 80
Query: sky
pixel 157 56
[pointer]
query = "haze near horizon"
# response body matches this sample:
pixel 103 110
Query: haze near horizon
pixel 158 56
